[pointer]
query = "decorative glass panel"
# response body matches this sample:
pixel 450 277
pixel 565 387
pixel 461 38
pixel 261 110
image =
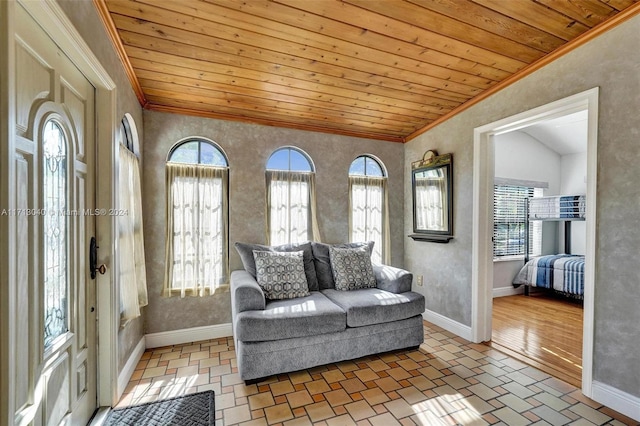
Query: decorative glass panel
pixel 54 189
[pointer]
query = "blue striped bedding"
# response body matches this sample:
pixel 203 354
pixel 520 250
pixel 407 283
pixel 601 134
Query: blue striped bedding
pixel 561 272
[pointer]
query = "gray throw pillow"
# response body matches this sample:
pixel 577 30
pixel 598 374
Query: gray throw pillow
pixel 281 274
pixel 323 262
pixel 245 250
pixel 352 268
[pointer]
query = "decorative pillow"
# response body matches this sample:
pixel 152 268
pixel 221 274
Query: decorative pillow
pixel 352 268
pixel 322 260
pixel 281 274
pixel 245 251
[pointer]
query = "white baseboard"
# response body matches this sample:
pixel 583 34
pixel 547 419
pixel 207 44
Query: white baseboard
pixel 616 399
pixel 130 366
pixel 448 324
pixel 507 291
pixel 186 335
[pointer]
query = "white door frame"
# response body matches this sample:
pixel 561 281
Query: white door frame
pixel 58 26
pixel 482 251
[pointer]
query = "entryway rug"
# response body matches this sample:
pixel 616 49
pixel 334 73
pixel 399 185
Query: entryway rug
pixel 196 409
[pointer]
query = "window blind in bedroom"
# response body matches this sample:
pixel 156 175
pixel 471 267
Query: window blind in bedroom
pixel 509 221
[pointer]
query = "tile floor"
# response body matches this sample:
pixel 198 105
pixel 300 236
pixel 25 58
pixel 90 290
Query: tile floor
pixel 448 381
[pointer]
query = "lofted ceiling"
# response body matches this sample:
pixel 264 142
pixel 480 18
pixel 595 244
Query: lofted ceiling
pixel 381 69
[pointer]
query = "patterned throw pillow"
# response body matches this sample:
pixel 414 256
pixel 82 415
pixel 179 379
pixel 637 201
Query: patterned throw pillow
pixel 281 274
pixel 352 268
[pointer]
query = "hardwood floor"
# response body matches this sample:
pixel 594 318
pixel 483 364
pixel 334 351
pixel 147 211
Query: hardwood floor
pixel 542 330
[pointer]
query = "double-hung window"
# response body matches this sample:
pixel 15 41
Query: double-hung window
pixel 197 245
pixel 291 198
pixel 368 206
pixel 510 221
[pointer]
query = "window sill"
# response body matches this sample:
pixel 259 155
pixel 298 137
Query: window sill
pixel 508 259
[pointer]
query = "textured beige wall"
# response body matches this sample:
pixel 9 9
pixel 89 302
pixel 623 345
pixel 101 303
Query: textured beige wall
pixel 248 147
pixel 85 18
pixel 611 62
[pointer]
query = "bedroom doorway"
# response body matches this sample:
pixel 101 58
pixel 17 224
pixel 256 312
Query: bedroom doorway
pixel 484 172
pixel 545 162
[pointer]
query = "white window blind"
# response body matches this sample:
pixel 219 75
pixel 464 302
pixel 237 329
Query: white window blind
pixel 509 221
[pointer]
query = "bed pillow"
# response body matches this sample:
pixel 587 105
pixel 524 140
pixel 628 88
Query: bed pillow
pixel 352 268
pixel 281 274
pixel 322 260
pixel 245 250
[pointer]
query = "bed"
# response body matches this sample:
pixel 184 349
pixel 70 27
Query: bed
pixel 562 273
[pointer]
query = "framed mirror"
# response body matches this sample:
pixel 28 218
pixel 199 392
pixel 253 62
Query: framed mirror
pixel 432 183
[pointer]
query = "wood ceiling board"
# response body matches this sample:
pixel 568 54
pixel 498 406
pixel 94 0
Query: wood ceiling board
pixel 619 5
pixel 287 104
pixel 197 32
pixel 203 108
pixel 265 108
pixel 384 53
pixel 415 103
pixel 401 30
pixel 456 30
pixel 538 16
pixel 187 76
pixel 243 59
pixel 587 12
pixel 497 23
pixel 357 35
pixel 149 80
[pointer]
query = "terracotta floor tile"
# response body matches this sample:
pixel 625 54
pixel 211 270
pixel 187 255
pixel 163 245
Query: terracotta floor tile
pixel 319 411
pixel 333 376
pixel 281 388
pixel 278 413
pixel 337 397
pixel 261 400
pixel 299 399
pixel 360 410
pixel 317 386
pixel 375 396
pixel 366 375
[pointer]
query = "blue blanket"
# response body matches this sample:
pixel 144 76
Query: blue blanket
pixel 560 272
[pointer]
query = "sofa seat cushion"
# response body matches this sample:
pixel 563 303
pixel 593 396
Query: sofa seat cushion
pixel 369 306
pixel 284 319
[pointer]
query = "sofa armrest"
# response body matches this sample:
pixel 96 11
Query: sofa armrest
pixel 246 294
pixel 394 280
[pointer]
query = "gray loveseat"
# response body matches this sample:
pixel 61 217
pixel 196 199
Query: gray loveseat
pixel 325 326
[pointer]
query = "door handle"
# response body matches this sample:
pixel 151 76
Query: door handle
pixel 93 259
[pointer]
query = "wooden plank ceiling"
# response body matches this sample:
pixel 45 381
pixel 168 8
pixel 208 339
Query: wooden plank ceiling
pixel 382 69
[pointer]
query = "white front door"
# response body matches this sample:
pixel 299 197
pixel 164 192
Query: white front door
pixel 55 299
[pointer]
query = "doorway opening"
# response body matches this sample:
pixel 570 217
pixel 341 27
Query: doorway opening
pixel 485 139
pixel 541 162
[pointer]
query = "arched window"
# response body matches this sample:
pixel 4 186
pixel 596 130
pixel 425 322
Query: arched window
pixel 291 197
pixel 197 253
pixel 369 206
pixel 132 269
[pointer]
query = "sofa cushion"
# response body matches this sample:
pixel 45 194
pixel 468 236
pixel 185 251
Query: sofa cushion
pixel 281 274
pixel 322 261
pixel 284 319
pixel 374 306
pixel 245 250
pixel 351 268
